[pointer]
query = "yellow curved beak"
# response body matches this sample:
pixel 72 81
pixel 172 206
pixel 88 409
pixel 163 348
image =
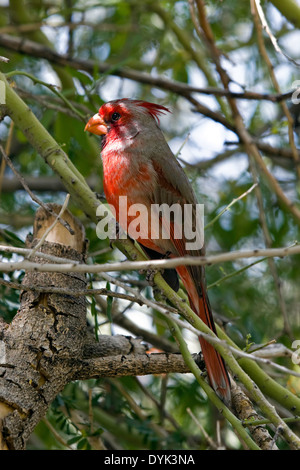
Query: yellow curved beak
pixel 96 125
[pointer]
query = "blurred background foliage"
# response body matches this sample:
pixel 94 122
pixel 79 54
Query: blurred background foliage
pixel 158 38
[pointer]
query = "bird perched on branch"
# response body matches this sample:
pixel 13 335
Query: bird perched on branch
pixel 139 165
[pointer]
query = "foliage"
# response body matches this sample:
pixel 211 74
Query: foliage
pixel 153 39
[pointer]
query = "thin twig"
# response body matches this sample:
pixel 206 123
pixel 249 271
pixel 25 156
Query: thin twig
pixel 209 440
pixel 56 435
pixel 257 11
pixel 231 204
pixel 7 151
pixel 271 35
pixel 235 273
pixel 150 264
pixel 51 87
pixel 70 292
pixel 26 251
pixel 258 422
pixel 262 215
pixel 269 243
pixel 38 50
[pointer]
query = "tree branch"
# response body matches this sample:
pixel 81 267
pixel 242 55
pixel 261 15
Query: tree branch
pixel 131 365
pixel 34 49
pixel 150 264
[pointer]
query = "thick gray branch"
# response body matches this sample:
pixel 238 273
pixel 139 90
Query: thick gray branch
pixel 132 365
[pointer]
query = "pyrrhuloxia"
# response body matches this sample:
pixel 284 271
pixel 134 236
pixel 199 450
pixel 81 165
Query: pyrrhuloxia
pixel 138 164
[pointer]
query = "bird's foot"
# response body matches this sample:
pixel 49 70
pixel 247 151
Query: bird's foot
pixel 150 274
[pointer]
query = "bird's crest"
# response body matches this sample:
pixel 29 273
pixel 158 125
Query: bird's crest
pixel 154 109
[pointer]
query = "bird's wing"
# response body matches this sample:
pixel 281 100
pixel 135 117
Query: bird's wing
pixel 173 187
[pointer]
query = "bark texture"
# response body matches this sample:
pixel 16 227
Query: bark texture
pixel 39 347
pixel 48 344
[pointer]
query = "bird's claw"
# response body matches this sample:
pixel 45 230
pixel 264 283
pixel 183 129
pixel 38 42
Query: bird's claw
pixel 150 274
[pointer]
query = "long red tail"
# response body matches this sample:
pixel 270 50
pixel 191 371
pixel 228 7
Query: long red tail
pixel 215 366
pixel 193 279
pixel 214 362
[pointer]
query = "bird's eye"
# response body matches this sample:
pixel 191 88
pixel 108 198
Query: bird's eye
pixel 115 117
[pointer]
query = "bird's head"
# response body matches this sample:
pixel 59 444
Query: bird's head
pixel 124 118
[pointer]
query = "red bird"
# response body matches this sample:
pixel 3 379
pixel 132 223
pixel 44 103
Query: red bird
pixel 138 164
